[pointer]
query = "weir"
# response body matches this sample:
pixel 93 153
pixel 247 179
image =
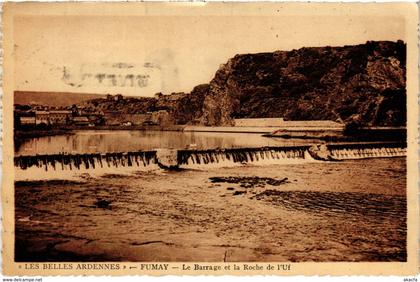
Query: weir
pixel 367 150
pixel 240 155
pixel 87 161
pixel 171 158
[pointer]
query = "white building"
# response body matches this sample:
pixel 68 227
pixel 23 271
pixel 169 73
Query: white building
pixel 260 122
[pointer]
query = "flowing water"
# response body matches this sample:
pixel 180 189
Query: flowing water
pixel 285 208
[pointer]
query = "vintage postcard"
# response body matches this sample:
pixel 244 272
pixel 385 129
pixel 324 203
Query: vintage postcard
pixel 210 138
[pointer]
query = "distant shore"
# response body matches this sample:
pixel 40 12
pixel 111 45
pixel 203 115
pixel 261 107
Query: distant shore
pixel 22 134
pixel 364 134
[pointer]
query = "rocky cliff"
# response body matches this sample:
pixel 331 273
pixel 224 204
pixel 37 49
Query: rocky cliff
pixel 363 83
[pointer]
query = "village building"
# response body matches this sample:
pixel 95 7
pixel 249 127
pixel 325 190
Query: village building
pixel 81 121
pixel 266 122
pixel 27 120
pixel 42 117
pixel 53 117
pixel 60 116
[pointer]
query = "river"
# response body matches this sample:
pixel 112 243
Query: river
pixel 94 141
pixel 353 210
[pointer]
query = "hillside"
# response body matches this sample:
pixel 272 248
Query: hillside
pixel 184 108
pixel 55 99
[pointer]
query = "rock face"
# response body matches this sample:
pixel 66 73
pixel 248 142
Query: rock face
pixel 194 106
pixel 188 109
pixel 363 83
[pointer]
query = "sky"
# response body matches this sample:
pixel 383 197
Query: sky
pixel 145 54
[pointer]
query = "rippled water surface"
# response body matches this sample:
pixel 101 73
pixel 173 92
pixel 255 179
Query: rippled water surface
pixel 320 211
pixel 92 141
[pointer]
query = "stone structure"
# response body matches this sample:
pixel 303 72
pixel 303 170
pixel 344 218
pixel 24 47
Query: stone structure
pixel 258 122
pixel 27 120
pixel 60 116
pixel 53 117
pixel 42 117
pixel 81 121
pixel 167 158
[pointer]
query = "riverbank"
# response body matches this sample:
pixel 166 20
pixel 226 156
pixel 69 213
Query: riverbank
pixel 131 127
pixel 20 136
pixel 363 134
pixel 247 213
pixel 32 132
pixel 230 129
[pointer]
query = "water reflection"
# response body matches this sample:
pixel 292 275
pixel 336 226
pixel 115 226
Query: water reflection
pixel 91 141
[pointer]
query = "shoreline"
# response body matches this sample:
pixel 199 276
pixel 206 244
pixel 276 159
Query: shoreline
pixel 363 134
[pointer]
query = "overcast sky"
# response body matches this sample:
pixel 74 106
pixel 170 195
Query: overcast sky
pixel 142 55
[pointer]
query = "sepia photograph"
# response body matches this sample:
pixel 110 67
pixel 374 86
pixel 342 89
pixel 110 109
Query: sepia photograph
pixel 214 137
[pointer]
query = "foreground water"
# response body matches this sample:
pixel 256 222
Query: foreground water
pixel 317 211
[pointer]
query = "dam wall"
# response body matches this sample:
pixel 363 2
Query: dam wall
pixel 229 129
pixel 171 158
